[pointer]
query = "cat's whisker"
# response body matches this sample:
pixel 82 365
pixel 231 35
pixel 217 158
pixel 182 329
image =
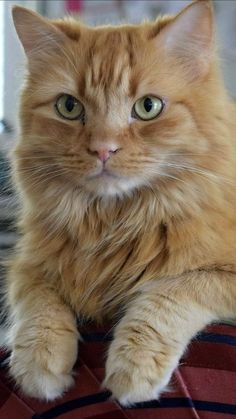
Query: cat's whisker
pixel 207 174
pixel 193 169
pixel 40 177
pixel 163 174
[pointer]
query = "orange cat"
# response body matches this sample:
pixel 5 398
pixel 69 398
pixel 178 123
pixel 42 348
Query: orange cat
pixel 126 167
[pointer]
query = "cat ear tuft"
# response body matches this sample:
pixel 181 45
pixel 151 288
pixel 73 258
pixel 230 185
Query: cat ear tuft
pixel 35 32
pixel 189 37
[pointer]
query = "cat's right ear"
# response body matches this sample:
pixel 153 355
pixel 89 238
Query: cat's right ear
pixel 190 38
pixel 36 33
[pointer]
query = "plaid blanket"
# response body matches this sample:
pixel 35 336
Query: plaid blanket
pixel 204 385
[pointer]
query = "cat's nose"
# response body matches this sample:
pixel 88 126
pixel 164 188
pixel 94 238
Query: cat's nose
pixel 103 152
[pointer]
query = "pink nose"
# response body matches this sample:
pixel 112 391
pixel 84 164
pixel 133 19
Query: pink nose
pixel 103 153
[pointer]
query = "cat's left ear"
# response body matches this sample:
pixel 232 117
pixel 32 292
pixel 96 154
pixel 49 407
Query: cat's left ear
pixel 189 37
pixel 37 34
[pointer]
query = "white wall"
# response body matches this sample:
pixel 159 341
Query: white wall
pixel 1 58
pixel 54 8
pixel 226 28
pixel 14 61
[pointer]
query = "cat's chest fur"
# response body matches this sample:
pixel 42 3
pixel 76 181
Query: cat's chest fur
pixel 104 267
pixel 105 259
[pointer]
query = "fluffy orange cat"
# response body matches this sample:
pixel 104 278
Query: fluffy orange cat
pixel 126 168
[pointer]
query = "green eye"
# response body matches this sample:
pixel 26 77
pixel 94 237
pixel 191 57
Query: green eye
pixel 148 107
pixel 69 107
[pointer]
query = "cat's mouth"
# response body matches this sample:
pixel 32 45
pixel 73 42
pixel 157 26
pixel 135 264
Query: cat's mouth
pixel 105 182
pixel 104 174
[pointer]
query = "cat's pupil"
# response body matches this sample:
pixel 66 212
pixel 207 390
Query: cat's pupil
pixel 70 103
pixel 147 104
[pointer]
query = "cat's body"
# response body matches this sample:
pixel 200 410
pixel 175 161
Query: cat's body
pixel 122 218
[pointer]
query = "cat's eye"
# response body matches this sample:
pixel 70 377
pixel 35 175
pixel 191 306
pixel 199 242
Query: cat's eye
pixel 148 107
pixel 69 107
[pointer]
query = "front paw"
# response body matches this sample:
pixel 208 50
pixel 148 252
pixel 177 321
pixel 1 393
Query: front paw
pixel 135 375
pixel 43 369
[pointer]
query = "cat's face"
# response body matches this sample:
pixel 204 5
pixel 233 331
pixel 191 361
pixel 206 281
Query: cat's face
pixel 112 109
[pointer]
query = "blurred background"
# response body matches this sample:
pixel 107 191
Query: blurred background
pixel 93 12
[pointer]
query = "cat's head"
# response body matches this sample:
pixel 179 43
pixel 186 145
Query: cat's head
pixel 112 109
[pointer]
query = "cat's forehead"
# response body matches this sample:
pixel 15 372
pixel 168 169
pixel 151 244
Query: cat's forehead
pixel 106 67
pixel 111 63
pixel 110 57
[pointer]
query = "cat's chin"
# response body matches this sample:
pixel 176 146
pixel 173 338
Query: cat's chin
pixel 108 186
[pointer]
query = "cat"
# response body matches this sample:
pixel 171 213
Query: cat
pixel 126 170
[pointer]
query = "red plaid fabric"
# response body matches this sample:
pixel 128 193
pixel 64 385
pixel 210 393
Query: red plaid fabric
pixel 204 386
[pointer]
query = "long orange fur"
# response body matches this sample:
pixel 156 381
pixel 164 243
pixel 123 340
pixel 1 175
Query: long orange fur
pixel 153 247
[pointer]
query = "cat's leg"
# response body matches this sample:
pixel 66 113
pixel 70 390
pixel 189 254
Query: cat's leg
pixel 43 336
pixel 157 327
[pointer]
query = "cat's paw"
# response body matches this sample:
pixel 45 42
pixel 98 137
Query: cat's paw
pixel 136 376
pixel 37 382
pixel 44 370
